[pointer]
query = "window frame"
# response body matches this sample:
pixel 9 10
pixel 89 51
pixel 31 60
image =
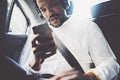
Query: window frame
pixel 9 15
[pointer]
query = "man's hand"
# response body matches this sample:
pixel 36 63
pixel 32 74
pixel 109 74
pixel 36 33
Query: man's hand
pixel 74 75
pixel 43 47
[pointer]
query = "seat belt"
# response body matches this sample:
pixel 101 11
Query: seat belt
pixel 67 54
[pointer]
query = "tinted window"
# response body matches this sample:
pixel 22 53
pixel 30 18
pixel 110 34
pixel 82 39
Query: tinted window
pixel 18 22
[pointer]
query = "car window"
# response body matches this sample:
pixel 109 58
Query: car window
pixel 18 21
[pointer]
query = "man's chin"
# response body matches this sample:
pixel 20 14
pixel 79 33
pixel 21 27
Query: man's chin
pixel 55 25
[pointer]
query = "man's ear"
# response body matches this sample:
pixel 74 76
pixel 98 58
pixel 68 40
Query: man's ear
pixel 66 3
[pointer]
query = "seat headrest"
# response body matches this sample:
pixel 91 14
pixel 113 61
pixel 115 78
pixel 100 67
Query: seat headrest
pixel 105 8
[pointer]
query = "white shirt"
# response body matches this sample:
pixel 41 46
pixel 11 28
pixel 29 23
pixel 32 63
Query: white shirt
pixel 88 45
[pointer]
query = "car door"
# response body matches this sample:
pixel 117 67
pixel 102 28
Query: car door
pixel 13 33
pixel 13 36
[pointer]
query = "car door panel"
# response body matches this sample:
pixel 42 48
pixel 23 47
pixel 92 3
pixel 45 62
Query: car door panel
pixel 11 45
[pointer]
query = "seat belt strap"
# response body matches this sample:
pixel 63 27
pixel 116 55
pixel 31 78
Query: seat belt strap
pixel 67 54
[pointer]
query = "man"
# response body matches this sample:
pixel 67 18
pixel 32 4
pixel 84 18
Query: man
pixel 84 39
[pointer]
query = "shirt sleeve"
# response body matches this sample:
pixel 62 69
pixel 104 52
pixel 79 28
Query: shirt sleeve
pixel 106 66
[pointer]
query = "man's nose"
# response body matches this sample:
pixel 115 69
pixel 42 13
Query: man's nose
pixel 50 12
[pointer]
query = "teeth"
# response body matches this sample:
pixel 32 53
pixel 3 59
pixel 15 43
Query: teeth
pixel 53 18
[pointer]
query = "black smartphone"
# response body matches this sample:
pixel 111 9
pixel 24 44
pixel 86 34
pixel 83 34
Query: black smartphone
pixel 45 38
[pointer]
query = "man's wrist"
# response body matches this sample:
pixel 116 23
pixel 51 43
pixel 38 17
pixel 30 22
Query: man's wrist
pixel 92 76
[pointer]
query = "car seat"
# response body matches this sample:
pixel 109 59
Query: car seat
pixel 107 17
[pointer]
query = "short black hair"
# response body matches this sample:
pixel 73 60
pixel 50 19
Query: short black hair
pixel 69 10
pixel 37 9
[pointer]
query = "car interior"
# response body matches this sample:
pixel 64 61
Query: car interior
pixel 107 16
pixel 18 17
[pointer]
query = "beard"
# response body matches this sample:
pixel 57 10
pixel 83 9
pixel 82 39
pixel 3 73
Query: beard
pixel 55 20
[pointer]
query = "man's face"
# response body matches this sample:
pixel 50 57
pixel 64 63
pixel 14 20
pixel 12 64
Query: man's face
pixel 52 11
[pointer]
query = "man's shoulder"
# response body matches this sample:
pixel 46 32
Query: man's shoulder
pixel 85 23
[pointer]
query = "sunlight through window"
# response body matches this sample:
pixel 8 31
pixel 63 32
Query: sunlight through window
pixel 82 7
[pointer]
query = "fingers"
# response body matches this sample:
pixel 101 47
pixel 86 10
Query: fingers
pixel 45 49
pixel 68 75
pixel 43 46
pixel 35 40
pixel 37 65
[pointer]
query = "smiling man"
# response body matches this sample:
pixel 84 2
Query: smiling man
pixel 85 41
pixel 54 14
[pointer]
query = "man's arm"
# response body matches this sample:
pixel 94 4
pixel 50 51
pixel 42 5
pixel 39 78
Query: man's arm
pixel 74 74
pixel 102 55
